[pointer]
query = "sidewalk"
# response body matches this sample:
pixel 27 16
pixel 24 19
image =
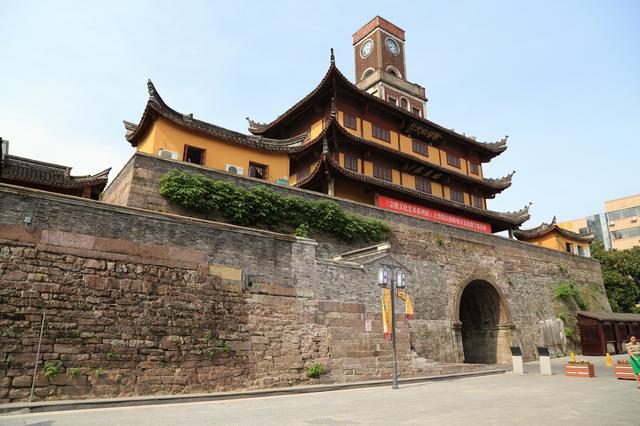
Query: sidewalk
pixel 48 406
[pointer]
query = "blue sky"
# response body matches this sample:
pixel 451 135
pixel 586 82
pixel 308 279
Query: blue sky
pixel 561 78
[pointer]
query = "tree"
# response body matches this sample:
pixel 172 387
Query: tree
pixel 621 276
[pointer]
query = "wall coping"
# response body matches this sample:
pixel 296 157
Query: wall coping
pixel 70 199
pixel 449 230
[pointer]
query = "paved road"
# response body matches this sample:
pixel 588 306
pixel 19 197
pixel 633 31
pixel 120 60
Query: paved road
pixel 493 400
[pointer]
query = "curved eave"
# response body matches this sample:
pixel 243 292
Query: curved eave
pixel 546 229
pixel 492 186
pixel 500 221
pixel 490 149
pixel 156 107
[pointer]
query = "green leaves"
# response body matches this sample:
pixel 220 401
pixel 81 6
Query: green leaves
pixel 260 205
pixel 621 276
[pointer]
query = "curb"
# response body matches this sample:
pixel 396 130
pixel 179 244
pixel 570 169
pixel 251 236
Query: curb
pixel 49 406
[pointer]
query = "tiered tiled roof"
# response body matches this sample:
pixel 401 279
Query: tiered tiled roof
pixel 157 107
pixel 546 228
pixel 499 220
pixel 333 76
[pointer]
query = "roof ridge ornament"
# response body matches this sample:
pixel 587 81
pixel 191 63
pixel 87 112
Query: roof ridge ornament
pixel 333 58
pixel 151 88
pixel 333 107
pixel 325 145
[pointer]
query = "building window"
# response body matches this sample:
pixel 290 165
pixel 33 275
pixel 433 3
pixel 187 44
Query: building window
pixel 580 250
pixel 452 160
pixel 258 171
pixel 382 172
pixel 193 155
pixel 569 247
pixel 583 231
pixel 392 101
pixel 349 121
pixel 423 185
pixel 457 195
pixel 420 147
pixel 380 133
pixel 416 111
pixel 351 162
pixel 474 168
pixel 404 104
pixel 477 202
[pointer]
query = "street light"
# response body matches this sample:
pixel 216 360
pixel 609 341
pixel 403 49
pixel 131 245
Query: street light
pixel 398 280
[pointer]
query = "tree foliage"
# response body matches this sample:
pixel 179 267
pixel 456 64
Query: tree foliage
pixel 621 275
pixel 261 206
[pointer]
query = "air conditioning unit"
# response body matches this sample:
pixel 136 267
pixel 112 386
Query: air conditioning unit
pixel 611 223
pixel 634 218
pixel 165 153
pixel 233 169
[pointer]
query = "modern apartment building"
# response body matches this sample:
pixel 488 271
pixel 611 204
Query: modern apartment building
pixel 617 227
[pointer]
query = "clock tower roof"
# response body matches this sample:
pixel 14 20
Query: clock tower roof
pixel 378 22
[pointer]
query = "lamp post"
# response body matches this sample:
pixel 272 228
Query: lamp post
pixel 392 275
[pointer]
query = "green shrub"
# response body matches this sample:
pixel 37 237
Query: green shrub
pixel 52 368
pixel 260 205
pixel 568 332
pixel 302 231
pixel 315 370
pixel 567 291
pixel 73 372
pixel 100 372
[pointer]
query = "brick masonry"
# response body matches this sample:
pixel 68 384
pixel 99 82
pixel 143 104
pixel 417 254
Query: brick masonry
pixel 140 300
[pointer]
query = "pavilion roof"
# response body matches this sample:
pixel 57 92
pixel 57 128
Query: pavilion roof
pixel 547 228
pixel 39 172
pixel 156 107
pixel 333 76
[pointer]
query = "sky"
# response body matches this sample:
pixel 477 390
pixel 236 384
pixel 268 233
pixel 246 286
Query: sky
pixel 561 78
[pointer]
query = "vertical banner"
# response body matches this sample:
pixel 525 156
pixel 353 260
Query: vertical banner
pixel 386 312
pixel 408 305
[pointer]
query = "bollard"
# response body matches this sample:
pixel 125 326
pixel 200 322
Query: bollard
pixel 572 357
pixel 545 361
pixel 608 359
pixel 516 359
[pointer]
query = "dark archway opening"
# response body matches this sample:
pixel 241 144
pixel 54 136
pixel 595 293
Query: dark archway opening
pixel 485 335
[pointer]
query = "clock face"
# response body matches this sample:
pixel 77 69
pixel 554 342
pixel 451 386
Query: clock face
pixel 392 46
pixel 366 48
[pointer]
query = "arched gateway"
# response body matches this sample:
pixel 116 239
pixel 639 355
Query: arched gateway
pixel 485 324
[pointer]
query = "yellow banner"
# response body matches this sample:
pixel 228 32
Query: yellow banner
pixel 408 305
pixel 386 312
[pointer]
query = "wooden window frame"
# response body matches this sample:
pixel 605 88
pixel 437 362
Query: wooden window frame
pixel 264 166
pixel 380 133
pixel 418 145
pixel 202 158
pixel 349 121
pixel 382 172
pixel 351 162
pixel 393 101
pixel 474 168
pixel 453 160
pixel 456 191
pixel 478 202
pixel 424 185
pixel 416 111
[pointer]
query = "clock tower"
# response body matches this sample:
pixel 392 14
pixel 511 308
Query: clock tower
pixel 381 66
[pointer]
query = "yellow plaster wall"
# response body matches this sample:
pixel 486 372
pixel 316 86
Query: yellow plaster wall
pixel 146 145
pixel 169 136
pixel 316 129
pixel 557 242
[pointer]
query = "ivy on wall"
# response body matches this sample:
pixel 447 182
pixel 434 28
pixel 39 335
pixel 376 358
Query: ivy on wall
pixel 261 206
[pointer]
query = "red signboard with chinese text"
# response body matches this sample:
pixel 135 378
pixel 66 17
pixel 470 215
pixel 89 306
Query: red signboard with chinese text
pixel 435 215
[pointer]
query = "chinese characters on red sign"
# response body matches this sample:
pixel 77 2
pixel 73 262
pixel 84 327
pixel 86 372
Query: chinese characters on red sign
pixel 435 215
